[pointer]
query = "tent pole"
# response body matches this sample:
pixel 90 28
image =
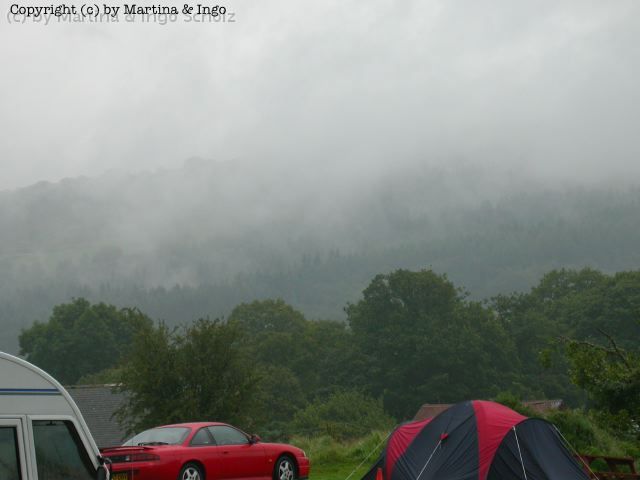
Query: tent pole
pixel 519 452
pixel 576 453
pixel 430 457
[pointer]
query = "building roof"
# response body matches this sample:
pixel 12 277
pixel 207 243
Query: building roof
pixel 98 404
pixel 430 410
pixel 543 406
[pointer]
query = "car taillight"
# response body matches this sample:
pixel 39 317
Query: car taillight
pixel 134 457
pixel 143 457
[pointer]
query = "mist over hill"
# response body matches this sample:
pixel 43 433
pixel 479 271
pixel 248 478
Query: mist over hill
pixel 195 241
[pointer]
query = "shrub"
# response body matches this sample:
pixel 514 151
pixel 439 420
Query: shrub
pixel 343 415
pixel 577 428
pixel 512 401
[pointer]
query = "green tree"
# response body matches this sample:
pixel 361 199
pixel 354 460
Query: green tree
pixel 320 354
pixel 81 338
pixel 268 316
pixel 273 330
pixel 278 396
pixel 426 342
pixel 200 372
pixel 330 359
pixel 611 377
pixel 575 304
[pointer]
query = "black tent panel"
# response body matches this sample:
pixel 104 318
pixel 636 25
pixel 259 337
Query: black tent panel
pixel 544 455
pixel 447 449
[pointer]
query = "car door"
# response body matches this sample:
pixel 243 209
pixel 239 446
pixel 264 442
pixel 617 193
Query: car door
pixel 203 448
pixel 239 459
pixel 13 465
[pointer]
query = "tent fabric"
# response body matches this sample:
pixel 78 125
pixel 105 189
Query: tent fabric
pixel 454 457
pixel 476 440
pixel 494 422
pixel 399 441
pixel 543 454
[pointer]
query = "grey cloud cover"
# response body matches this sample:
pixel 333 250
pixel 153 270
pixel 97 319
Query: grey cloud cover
pixel 548 87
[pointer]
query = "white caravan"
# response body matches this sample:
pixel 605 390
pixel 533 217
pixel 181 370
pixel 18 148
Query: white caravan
pixel 42 433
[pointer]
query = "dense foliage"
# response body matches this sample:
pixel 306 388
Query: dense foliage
pixel 81 338
pixel 611 376
pixel 190 374
pixel 413 337
pixel 426 342
pixel 343 415
pixel 566 305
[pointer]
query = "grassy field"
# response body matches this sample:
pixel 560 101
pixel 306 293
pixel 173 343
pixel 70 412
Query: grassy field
pixel 332 460
pixel 336 472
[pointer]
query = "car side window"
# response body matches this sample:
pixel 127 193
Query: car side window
pixel 225 435
pixel 203 437
pixel 9 459
pixel 60 454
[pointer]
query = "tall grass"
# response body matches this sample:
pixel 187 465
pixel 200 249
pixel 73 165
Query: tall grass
pixel 335 460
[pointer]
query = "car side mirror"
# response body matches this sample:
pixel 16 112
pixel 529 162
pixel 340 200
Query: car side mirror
pixel 102 473
pixel 254 439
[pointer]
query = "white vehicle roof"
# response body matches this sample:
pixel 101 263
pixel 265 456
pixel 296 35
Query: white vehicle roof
pixel 27 390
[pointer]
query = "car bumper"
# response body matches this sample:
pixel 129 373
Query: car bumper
pixel 304 467
pixel 142 471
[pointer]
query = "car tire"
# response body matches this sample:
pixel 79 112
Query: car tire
pixel 285 469
pixel 191 471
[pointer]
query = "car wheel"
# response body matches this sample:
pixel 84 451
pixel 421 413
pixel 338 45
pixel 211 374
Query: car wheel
pixel 285 469
pixel 191 471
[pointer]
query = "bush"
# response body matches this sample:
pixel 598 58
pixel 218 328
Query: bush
pixel 343 415
pixel 591 433
pixel 512 401
pixel 578 429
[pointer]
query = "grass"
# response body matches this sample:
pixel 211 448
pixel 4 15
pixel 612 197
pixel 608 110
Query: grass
pixel 334 460
pixel 335 472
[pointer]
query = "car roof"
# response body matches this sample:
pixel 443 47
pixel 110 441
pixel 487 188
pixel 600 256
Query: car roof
pixel 192 425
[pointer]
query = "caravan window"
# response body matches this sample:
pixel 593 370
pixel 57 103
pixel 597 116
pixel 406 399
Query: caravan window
pixel 9 460
pixel 60 454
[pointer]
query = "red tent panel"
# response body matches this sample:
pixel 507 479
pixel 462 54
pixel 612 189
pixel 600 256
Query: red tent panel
pixel 493 422
pixel 400 440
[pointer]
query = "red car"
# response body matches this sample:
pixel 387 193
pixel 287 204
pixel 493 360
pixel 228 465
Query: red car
pixel 204 451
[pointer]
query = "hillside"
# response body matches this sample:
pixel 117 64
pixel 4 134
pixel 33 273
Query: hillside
pixel 196 241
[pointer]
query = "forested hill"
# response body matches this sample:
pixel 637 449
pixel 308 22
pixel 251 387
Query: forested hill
pixel 197 241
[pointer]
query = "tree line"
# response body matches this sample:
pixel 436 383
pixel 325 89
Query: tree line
pixel 413 337
pixel 51 252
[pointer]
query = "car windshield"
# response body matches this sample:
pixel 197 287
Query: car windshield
pixel 159 436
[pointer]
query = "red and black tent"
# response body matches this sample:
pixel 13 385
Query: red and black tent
pixel 477 440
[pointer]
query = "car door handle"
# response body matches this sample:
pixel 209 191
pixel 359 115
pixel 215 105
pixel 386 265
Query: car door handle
pixel 225 452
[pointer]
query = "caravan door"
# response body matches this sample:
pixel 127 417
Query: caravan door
pixel 13 465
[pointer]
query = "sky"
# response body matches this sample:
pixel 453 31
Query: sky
pixel 545 87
